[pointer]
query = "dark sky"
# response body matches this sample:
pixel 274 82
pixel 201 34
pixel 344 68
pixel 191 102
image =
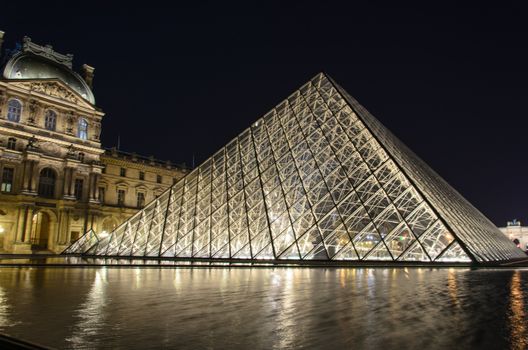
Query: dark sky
pixel 174 80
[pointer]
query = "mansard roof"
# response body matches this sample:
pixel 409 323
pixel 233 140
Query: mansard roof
pixel 35 62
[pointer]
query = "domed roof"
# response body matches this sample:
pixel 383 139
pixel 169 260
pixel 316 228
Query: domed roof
pixel 28 65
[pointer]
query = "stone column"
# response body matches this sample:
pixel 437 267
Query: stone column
pixel 29 224
pixel 26 176
pixel 63 226
pixel 93 191
pixel 90 187
pixel 96 189
pixel 66 183
pixel 21 243
pixel 19 233
pixel 71 191
pixel 67 223
pixel 34 176
pixel 30 174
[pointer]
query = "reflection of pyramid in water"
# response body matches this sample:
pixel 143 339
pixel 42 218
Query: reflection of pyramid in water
pixel 318 177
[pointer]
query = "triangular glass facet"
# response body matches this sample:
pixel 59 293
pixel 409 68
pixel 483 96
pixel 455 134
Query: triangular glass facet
pixel 454 254
pixel 414 253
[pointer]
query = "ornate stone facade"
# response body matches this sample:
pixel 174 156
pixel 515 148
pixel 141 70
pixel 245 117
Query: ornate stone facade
pixel 56 181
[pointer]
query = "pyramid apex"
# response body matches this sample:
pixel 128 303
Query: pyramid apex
pixel 322 73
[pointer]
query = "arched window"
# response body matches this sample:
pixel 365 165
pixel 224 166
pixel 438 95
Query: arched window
pixel 109 225
pixel 14 109
pixel 82 131
pixel 46 187
pixel 50 120
pixel 11 143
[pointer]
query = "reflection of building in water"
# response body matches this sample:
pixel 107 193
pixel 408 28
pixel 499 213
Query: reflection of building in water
pixel 514 230
pixel 519 334
pixel 4 310
pixel 91 315
pixel 56 179
pixel 452 287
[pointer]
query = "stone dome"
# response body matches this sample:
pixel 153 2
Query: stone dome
pixel 26 65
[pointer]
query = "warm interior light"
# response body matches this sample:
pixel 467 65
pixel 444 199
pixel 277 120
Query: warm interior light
pixel 2 229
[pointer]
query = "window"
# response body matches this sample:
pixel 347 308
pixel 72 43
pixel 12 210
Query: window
pixel 14 109
pixel 101 194
pixel 78 189
pixel 7 180
pixel 122 172
pixel 140 200
pixel 74 235
pixel 158 179
pixel 50 120
pixel 121 197
pixel 82 131
pixel 46 186
pixel 80 157
pixel 11 143
pixel 141 175
pixel 103 171
pixel 174 180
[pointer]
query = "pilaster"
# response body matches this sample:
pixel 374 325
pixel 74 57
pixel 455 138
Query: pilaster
pixel 30 173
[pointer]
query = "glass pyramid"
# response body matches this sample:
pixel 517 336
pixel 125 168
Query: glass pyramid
pixel 316 178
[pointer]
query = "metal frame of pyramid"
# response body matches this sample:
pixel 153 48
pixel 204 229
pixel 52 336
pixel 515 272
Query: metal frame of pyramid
pixel 316 178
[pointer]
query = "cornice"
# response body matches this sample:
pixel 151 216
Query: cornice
pixel 54 91
pixel 65 143
pixel 105 159
pixel 47 52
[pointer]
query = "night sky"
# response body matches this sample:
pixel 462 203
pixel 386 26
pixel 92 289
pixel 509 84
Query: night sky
pixel 177 81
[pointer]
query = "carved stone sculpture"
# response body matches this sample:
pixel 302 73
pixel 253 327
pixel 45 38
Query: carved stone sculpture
pixel 34 107
pixel 32 144
pixel 55 90
pixel 97 131
pixel 3 99
pixel 69 122
pixel 71 152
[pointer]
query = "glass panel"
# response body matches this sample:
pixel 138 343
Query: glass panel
pixel 380 252
pixel 366 240
pixel 414 253
pixel 309 241
pixel 318 253
pixel 347 253
pixel 454 254
pixel 291 253
pixel 436 239
pixel 399 240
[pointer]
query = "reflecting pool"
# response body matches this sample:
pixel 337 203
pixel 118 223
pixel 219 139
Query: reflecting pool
pixel 265 308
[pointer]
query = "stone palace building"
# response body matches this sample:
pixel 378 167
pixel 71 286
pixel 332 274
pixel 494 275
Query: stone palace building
pixel 56 180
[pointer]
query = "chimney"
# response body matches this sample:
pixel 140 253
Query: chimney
pixel 1 41
pixel 88 74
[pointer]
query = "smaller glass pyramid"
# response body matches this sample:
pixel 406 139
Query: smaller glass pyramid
pixel 316 178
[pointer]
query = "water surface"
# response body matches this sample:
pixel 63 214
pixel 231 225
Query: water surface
pixel 265 308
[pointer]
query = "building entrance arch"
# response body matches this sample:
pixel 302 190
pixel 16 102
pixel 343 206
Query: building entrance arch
pixel 40 230
pixel 109 225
